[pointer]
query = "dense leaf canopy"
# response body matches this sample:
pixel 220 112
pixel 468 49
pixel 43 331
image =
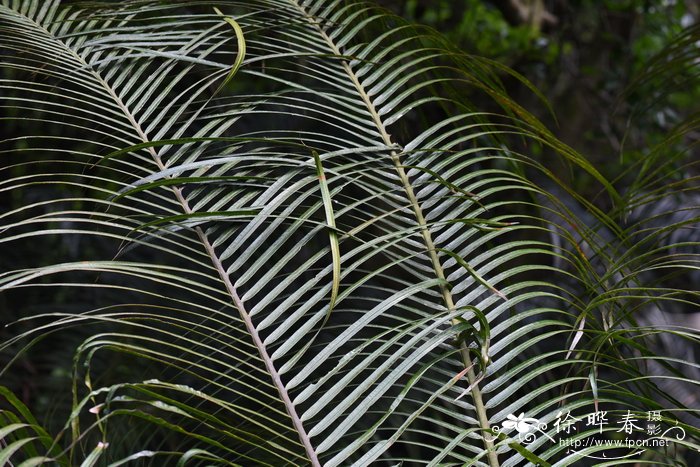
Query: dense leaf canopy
pixel 286 232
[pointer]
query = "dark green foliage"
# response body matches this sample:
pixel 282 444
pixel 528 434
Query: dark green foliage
pixel 356 251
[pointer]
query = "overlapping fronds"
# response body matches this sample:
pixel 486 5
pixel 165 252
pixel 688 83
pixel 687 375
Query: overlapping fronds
pixel 342 255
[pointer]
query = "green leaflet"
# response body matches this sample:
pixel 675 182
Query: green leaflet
pixel 466 332
pixel 183 181
pixel 335 250
pixel 526 453
pixel 95 455
pixel 220 215
pixel 241 49
pixel 332 233
pixel 473 272
pixel 13 424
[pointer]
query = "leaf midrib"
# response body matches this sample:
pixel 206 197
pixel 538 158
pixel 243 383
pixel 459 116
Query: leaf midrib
pixel 420 218
pixel 216 262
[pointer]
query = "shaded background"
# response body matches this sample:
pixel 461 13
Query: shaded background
pixel 583 55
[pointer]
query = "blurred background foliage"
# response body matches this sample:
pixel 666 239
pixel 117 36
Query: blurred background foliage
pixel 586 57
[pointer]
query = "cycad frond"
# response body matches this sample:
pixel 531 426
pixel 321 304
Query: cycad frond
pixel 310 266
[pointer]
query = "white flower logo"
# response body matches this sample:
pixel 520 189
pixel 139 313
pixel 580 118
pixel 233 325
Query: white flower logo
pixel 521 423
